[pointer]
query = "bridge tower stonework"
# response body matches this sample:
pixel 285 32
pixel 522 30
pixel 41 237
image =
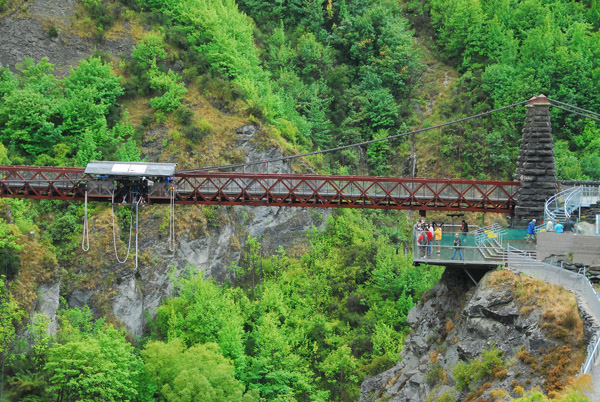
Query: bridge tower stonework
pixel 535 165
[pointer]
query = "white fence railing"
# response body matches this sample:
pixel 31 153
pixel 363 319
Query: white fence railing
pixel 520 261
pixel 489 234
pixel 563 204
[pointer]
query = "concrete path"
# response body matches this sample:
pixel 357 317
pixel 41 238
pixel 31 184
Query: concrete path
pixel 580 286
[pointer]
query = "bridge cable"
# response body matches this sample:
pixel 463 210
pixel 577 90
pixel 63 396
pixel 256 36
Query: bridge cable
pixel 577 113
pixel 112 209
pixel 574 107
pixel 85 237
pixel 420 130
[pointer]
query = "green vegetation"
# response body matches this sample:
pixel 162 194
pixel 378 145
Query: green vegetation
pixel 68 122
pixel 86 360
pixel 507 52
pixel 307 328
pixel 468 375
pixel 304 328
pixel 312 75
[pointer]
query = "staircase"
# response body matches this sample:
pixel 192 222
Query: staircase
pixel 566 203
pixel 489 241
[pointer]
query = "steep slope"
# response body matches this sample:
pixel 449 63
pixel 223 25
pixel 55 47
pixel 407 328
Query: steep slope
pixel 501 338
pixel 208 239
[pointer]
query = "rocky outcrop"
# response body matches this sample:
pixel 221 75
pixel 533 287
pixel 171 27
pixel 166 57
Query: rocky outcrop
pixel 207 247
pixel 454 323
pixel 24 33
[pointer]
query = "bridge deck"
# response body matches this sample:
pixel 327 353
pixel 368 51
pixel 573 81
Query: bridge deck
pixel 291 190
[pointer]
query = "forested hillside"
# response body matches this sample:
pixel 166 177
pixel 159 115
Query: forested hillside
pixel 306 324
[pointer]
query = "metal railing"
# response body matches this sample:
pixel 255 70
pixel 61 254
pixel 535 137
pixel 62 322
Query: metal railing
pixel 520 261
pixel 555 205
pixel 562 205
pixel 490 233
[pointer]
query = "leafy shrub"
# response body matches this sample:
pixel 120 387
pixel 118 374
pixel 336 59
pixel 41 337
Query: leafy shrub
pixel 170 86
pixel 52 32
pixel 100 13
pixel 469 374
pixel 184 116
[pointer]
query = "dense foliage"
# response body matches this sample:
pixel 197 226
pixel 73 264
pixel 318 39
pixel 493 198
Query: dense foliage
pixel 307 329
pixel 508 51
pixel 314 74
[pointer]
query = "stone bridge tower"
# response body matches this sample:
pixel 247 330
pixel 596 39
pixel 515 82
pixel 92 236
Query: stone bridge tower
pixel 535 165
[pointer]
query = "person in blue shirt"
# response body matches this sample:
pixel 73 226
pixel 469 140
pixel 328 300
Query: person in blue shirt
pixel 558 228
pixel 531 231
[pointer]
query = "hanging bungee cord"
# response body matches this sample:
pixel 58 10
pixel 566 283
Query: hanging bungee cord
pixel 85 238
pixel 135 201
pixel 171 244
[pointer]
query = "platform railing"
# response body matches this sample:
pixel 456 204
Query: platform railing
pixel 562 205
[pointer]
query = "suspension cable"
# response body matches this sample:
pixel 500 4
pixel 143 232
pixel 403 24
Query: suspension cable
pixel 238 165
pixel 577 113
pixel 85 237
pixel 112 209
pixel 574 107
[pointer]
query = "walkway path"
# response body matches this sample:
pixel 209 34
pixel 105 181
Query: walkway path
pixel 588 299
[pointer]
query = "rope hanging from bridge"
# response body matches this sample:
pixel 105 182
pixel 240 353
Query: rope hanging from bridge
pixel 85 237
pixel 172 220
pixel 112 210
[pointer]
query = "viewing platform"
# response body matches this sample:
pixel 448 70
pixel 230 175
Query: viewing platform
pixel 483 249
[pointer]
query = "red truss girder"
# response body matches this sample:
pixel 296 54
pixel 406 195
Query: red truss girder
pixel 289 190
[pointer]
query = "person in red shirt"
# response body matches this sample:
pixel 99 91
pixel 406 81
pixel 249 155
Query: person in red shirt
pixel 422 243
pixel 429 239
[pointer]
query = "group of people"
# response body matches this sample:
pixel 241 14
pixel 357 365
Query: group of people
pixel 559 227
pixel 550 226
pixel 429 234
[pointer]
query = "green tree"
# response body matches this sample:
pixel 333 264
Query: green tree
pixel 92 361
pixel 339 367
pixel 204 313
pixel 93 74
pixel 186 374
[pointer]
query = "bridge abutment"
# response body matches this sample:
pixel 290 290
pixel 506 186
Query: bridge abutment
pixel 535 165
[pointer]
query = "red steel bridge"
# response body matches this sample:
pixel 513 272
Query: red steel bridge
pixel 263 189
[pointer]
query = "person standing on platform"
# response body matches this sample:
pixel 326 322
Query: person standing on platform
pixel 429 239
pixel 422 243
pixel 464 227
pixel 457 247
pixel 437 231
pixel 531 231
pixel 558 228
pixel 568 226
pixel 549 226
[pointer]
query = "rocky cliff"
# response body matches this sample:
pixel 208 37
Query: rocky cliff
pixel 208 239
pixel 504 336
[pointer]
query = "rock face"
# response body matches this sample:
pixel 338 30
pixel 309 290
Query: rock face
pixel 24 33
pixel 455 322
pixel 132 293
pixel 208 248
